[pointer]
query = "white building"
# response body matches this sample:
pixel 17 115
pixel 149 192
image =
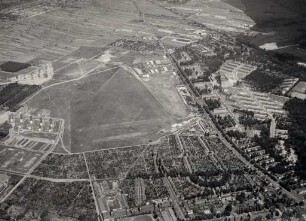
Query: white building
pixel 33 75
pixel 233 71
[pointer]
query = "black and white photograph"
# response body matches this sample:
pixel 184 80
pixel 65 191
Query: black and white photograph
pixel 152 110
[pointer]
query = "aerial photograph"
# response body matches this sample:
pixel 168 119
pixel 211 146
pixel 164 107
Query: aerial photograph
pixel 152 110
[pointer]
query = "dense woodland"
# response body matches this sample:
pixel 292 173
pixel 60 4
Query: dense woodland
pixel 4 130
pixel 212 103
pixel 12 94
pixel 262 81
pixel 7 3
pixel 297 132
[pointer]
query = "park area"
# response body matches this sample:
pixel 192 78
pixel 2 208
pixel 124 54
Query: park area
pixel 104 110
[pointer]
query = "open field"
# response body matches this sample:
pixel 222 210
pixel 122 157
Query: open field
pixel 160 79
pixel 57 32
pixel 17 160
pixel 26 143
pixel 214 14
pixel 139 218
pixel 101 109
pixel 172 102
pixel 300 87
pixel 104 110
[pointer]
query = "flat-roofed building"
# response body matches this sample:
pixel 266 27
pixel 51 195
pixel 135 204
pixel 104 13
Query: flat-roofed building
pixel 33 75
pixel 233 71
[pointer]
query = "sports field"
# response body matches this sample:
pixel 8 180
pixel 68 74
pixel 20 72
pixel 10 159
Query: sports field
pixel 104 110
pixel 139 218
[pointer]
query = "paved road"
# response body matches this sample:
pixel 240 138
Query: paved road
pixel 276 184
pixel 230 112
pixel 87 74
pixel 174 198
pixel 202 103
pixel 61 129
pixel 247 90
pixel 92 188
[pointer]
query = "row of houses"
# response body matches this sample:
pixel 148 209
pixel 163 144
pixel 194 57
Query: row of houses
pixel 233 71
pixel 259 103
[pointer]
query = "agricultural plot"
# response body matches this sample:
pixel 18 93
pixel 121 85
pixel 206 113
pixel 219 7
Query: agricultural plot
pixel 17 160
pixel 51 35
pixel 140 46
pixel 215 15
pixel 26 143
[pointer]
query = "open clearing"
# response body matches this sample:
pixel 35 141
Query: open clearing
pixel 110 108
pixel 104 110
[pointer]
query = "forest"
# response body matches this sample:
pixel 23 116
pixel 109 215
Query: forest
pixel 262 81
pixel 297 132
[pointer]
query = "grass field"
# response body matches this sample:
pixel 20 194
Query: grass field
pixel 300 87
pixel 163 88
pixel 104 110
pixel 17 160
pixel 108 109
pixel 139 218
